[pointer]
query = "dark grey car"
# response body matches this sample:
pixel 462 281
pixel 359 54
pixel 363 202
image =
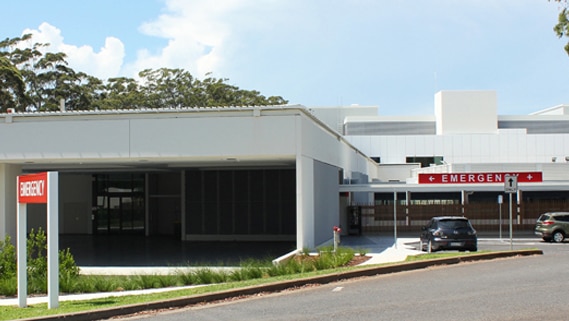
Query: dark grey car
pixel 448 233
pixel 553 226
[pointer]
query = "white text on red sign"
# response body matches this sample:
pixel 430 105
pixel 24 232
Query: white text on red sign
pixel 477 178
pixel 32 188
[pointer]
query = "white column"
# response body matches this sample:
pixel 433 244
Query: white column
pixel 21 246
pixel 53 240
pixel 304 202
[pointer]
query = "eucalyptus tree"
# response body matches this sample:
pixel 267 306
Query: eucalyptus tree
pixel 12 87
pixel 121 93
pixel 167 88
pixel 33 79
pixel 216 92
pixel 562 26
pixel 48 80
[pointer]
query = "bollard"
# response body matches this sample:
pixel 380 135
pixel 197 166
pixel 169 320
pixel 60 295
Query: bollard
pixel 337 231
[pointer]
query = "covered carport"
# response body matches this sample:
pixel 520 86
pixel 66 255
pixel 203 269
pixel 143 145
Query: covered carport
pixel 402 216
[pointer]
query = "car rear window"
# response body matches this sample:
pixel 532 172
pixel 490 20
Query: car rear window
pixel 453 223
pixel 543 217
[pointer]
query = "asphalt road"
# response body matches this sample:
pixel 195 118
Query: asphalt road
pixel 526 288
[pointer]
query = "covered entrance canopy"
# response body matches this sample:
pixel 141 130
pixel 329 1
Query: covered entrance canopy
pixel 237 173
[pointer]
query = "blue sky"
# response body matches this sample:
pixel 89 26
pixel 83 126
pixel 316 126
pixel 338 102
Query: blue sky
pixel 393 54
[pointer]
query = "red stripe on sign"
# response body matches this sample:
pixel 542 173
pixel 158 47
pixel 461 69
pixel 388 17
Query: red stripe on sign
pixel 478 178
pixel 32 188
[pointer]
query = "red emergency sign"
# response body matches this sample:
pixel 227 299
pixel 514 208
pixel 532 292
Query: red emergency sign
pixel 477 178
pixel 32 188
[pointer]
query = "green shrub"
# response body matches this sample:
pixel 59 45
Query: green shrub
pixel 187 278
pixel 7 259
pixel 72 282
pixel 208 276
pixel 247 273
pixel 155 281
pixel 8 286
pixel 36 255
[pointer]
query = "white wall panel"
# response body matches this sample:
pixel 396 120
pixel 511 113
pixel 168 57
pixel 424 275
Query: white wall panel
pixel 215 136
pixel 64 139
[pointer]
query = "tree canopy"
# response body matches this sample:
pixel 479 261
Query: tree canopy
pixel 31 80
pixel 562 26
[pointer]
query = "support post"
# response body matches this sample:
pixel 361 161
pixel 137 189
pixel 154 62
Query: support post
pixel 22 265
pixel 53 240
pixel 395 219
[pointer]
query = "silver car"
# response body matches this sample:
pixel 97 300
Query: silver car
pixel 553 226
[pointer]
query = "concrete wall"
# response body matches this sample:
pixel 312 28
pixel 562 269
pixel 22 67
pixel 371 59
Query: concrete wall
pixel 165 136
pixel 8 200
pixel 75 204
pixel 320 156
pixel 511 146
pixel 466 112
pixel 335 116
pixel 326 210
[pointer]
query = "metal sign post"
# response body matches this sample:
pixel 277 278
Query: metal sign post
pixel 395 220
pixel 500 201
pixel 510 187
pixel 39 188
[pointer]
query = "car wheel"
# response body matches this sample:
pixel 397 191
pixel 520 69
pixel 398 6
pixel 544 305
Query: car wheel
pixel 558 237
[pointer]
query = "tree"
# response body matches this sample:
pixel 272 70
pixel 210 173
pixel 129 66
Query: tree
pixel 31 80
pixel 12 87
pixel 562 26
pixel 120 93
pixel 167 88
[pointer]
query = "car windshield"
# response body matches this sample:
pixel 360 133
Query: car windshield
pixel 453 224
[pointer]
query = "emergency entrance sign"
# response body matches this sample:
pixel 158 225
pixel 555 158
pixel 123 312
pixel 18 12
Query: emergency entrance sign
pixel 39 188
pixel 32 188
pixel 478 178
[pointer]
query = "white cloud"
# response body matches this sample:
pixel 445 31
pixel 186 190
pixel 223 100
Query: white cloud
pixel 199 33
pixel 201 36
pixel 103 64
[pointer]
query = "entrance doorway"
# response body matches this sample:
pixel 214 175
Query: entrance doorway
pixel 119 204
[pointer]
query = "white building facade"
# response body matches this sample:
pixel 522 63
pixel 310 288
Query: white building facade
pixel 276 172
pixel 250 173
pixel 463 135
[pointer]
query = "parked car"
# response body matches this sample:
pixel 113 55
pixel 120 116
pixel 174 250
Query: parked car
pixel 448 233
pixel 553 226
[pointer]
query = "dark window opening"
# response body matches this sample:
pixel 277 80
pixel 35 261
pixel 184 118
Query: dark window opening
pixel 425 161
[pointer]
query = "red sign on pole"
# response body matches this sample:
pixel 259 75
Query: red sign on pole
pixel 32 188
pixel 477 178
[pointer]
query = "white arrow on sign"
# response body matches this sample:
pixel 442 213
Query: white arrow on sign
pixel 510 183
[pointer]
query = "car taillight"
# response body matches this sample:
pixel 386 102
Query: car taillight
pixel 547 223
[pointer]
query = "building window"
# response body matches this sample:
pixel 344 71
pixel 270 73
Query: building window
pixel 425 161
